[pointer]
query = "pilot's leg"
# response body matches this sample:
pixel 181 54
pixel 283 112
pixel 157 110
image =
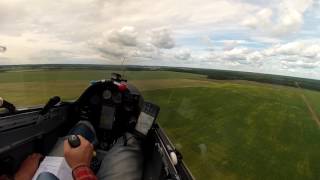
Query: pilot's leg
pixel 123 161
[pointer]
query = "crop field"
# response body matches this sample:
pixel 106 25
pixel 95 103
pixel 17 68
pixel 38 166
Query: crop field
pixel 224 129
pixel 25 88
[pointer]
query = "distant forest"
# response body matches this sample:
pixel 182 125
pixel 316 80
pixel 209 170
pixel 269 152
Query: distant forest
pixel 311 84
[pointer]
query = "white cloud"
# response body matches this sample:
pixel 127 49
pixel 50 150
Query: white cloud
pixel 231 33
pixel 237 56
pixel 301 49
pixel 206 40
pixel 230 44
pixel 31 48
pixel 299 64
pixel 127 42
pixel 261 19
pixel 126 36
pixel 183 54
pixel 297 56
pixel 284 18
pixel 162 39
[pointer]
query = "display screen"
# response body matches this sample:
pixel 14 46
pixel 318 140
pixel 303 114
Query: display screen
pixel 144 123
pixel 107 117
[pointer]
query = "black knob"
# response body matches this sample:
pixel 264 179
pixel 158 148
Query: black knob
pixel 74 141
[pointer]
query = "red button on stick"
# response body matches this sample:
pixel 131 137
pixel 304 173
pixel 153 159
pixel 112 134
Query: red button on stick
pixel 122 87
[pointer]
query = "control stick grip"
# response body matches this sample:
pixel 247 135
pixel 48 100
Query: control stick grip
pixel 74 141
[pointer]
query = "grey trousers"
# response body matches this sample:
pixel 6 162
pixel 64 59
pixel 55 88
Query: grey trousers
pixel 121 162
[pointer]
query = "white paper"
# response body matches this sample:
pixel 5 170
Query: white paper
pixel 55 165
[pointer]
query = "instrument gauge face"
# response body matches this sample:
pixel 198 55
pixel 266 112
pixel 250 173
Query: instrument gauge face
pixel 107 94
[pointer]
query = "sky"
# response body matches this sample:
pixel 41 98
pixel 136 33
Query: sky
pixel 275 36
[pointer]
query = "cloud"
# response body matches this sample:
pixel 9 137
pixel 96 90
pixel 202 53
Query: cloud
pixel 296 56
pixel 261 19
pixel 183 54
pixel 230 44
pixel 240 55
pixel 302 49
pixel 299 64
pixel 128 42
pixel 206 40
pixel 283 19
pixel 126 36
pixel 162 39
pixel 29 48
pixel 265 36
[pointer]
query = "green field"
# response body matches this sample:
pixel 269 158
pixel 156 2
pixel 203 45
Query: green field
pixel 25 88
pixel 224 129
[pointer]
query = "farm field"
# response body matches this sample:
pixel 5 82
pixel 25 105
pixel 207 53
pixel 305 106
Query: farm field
pixel 224 129
pixel 236 131
pixel 27 88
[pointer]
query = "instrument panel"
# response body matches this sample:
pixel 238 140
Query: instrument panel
pixel 113 107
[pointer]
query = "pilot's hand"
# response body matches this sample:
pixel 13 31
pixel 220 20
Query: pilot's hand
pixel 28 167
pixel 79 156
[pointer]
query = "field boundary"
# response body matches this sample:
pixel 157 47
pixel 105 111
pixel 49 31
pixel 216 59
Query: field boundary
pixel 310 108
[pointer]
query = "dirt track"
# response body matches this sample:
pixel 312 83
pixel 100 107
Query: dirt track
pixel 310 108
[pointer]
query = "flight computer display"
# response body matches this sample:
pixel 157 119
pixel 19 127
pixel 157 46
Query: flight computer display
pixel 147 117
pixel 107 117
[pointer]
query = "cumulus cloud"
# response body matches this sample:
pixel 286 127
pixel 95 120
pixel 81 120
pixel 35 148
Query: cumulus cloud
pixel 284 18
pixel 126 36
pixel 183 54
pixel 261 19
pixel 295 56
pixel 162 39
pixel 238 56
pixel 299 64
pixel 298 54
pixel 31 48
pixel 127 42
pixel 301 49
pixel 230 44
pixel 244 34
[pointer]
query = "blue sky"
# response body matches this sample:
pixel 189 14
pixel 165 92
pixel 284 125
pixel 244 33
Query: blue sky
pixel 276 36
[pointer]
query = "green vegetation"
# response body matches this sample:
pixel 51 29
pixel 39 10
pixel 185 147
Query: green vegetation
pixel 238 131
pixel 87 75
pixel 224 129
pixel 25 88
pixel 314 99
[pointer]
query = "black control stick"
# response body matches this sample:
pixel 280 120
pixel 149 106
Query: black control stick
pixel 74 141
